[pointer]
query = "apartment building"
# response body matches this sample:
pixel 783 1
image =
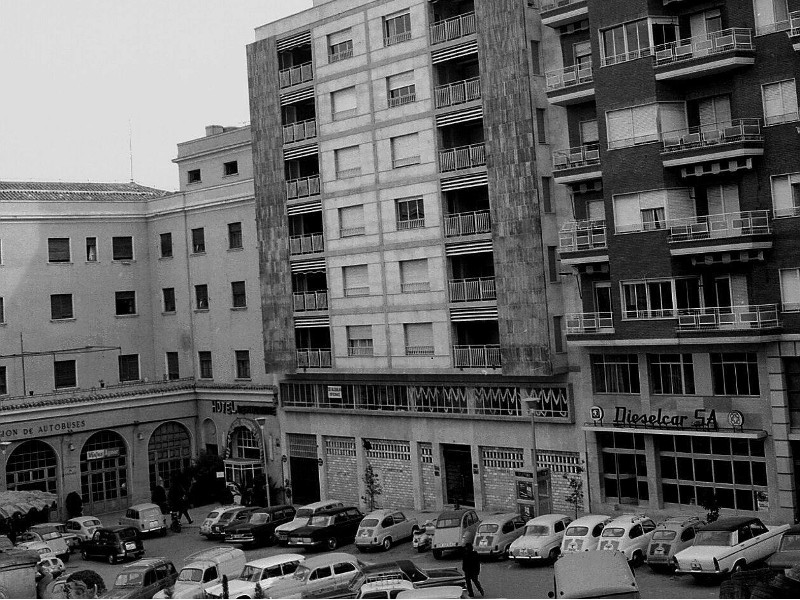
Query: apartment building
pixel 411 289
pixel 680 155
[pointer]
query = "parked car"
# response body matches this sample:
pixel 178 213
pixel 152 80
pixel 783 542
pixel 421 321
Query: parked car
pixel 541 539
pixel 51 537
pixel 729 545
pixel 454 528
pixel 53 565
pixel 670 537
pixel 444 591
pixel 423 536
pixel 83 527
pixel 387 588
pixel 213 517
pixel 204 570
pixel 46 530
pixel 630 534
pixel 324 576
pixel 301 517
pixel 788 553
pixel 113 544
pixel 594 575
pixel 408 570
pixel 384 527
pixel 583 534
pixel 260 527
pixel 264 571
pixel 496 533
pixel 234 515
pixel 147 518
pixel 328 529
pixel 143 579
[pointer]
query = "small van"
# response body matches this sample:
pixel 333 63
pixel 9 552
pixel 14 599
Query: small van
pixel 143 579
pixel 454 528
pixel 301 517
pixel 204 570
pixel 147 518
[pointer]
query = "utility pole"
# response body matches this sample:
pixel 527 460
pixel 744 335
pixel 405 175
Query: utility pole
pixel 261 422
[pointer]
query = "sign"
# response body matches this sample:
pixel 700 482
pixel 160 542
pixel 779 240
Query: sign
pixel 102 453
pixel 220 474
pixel 224 407
pixel 702 419
pixel 36 430
pixel 256 409
pixel 335 392
pixel 735 418
pixel 597 413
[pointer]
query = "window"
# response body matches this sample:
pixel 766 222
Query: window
pixel 780 102
pixel 615 373
pixel 61 306
pixel 359 340
pixel 193 176
pixel 169 299
pixel 340 46
pixel 198 240
pixel 58 250
pixel 648 211
pixel 242 364
pixel 405 150
pixel 541 125
pixel 351 220
pixel 625 42
pixel 659 298
pixel 234 236
pixel 64 375
pixel 201 296
pixel 344 103
pixel 624 467
pixel 128 367
pixel 734 373
pixel 91 249
pixel 671 373
pixel 348 162
pixel 206 371
pixel 790 289
pixel 536 58
pixel 125 303
pixel 401 89
pixel 547 194
pixel 173 369
pixel 791 369
pixel 410 213
pixel 558 334
pixel 396 29
pixel 2 310
pixel 166 245
pixel 786 195
pixel 3 382
pixel 356 280
pixel 771 16
pixel 552 263
pixel 582 53
pixel 631 126
pixel 414 276
pixel 122 248
pixel 230 168
pixel 238 294
pixel 589 133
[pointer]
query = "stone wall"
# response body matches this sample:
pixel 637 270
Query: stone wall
pixel 499 489
pixel 342 470
pixel 428 479
pixel 391 461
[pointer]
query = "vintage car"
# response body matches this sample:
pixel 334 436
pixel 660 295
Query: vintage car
pixel 113 544
pixel 385 588
pixel 788 553
pixel 260 527
pixel 214 516
pixel 234 515
pixel 594 575
pixel 264 571
pixel 48 531
pixel 147 518
pixel 328 529
pixel 729 545
pixel 454 528
pixel 83 527
pixel 583 534
pixel 205 569
pixel 408 570
pixel 301 517
pixel 54 540
pixel 541 539
pixel 496 533
pixel 630 534
pixel 329 575
pixel 670 537
pixel 384 527
pixel 53 565
pixel 143 579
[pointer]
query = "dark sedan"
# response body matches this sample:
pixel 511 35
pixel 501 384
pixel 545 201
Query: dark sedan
pixel 406 569
pixel 260 528
pixel 328 529
pixel 232 516
pixel 788 554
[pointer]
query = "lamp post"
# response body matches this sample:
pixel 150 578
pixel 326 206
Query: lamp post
pixel 261 421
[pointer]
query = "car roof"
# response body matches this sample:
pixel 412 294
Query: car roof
pixel 548 519
pixel 382 512
pixel 271 509
pixel 322 504
pixel 449 514
pixel 144 506
pixel 626 520
pixel 271 561
pixel 146 563
pixel 589 520
pixel 607 573
pixel 325 559
pixel 728 524
pixel 335 510
pixel 499 518
pixel 678 522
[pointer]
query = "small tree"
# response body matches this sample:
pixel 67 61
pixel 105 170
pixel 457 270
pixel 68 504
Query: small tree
pixel 575 481
pixel 372 487
pixel 74 505
pixel 711 504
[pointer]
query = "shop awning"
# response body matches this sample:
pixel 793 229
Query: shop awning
pixel 747 434
pixel 23 502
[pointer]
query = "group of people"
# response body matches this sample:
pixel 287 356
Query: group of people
pixel 175 501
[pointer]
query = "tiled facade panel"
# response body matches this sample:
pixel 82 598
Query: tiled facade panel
pixel 499 488
pixel 428 478
pixel 394 476
pixel 342 470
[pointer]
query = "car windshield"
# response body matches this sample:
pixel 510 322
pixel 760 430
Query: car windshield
pixel 250 573
pixel 613 532
pixel 129 579
pixel 713 538
pixel 304 513
pixel 213 515
pixel 537 530
pixel 301 573
pixel 790 542
pixel 320 521
pixel 664 534
pixel 448 522
pixel 577 531
pixel 191 575
pixel 259 518
pixel 369 523
pixel 91 523
pixel 225 517
pixel 488 528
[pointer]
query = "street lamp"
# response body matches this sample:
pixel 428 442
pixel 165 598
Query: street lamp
pixel 261 422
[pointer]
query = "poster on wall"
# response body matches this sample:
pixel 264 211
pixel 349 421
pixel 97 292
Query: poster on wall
pixel 762 501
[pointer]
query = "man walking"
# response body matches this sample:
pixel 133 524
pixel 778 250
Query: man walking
pixel 471 564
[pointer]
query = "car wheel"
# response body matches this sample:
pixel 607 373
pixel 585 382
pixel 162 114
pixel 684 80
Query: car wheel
pixel 738 567
pixel 554 553
pixel 332 543
pixel 437 554
pixel 387 543
pixel 111 559
pixel 637 559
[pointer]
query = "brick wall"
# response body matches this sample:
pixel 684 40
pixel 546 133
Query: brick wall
pixel 342 469
pixel 561 463
pixel 499 491
pixel 391 461
pixel 428 478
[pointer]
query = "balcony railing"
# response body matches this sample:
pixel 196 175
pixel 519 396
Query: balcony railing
pixel 568 77
pixel 580 156
pixel 360 351
pixel 306 244
pixel 554 4
pixel 302 187
pixel 727 40
pixel 594 322
pixel 295 75
pixel 390 40
pixel 314 357
pixel 464 157
pixel 713 134
pixel 472 290
pixel 419 350
pixel 457 93
pixel 762 316
pixel 477 356
pixel 583 235
pixel 794 24
pixel 341 55
pixel 305 301
pixel 468 223
pixel 452 29
pixel 725 225
pixel 302 130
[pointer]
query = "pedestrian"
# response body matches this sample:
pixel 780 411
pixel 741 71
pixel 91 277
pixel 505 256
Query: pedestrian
pixel 183 504
pixel 159 496
pixel 471 564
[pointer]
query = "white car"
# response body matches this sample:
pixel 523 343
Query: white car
pixel 583 534
pixel 213 517
pixel 384 527
pixel 541 539
pixel 630 534
pixel 52 565
pixel 301 517
pixel 264 571
pixel 83 527
pixel 388 588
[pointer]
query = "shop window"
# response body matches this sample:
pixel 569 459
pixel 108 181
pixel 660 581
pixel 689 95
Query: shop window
pixel 624 467
pixel 735 373
pixel 169 453
pixel 671 373
pixel 615 373
pixel 166 245
pixel 122 247
pixel 32 466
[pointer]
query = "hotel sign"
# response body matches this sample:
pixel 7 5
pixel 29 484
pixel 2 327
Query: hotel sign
pixel 661 419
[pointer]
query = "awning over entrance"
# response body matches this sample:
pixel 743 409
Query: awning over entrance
pixel 23 502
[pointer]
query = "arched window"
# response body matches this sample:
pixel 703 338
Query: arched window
pixel 32 465
pixel 169 452
pixel 104 472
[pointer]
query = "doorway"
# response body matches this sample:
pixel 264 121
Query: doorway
pixel 458 485
pixel 303 468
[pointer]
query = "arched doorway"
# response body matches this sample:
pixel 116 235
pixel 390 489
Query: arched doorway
pixel 169 452
pixel 243 459
pixel 33 465
pixel 104 473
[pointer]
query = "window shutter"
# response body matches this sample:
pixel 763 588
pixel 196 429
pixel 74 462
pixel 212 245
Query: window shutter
pixel 351 217
pixel 347 159
pixel 790 288
pixel 627 215
pixel 340 37
pixel 589 133
pixel 405 150
pixel 672 116
pixel 784 193
pixel 789 97
pixel 597 210
pixel 356 276
pixel 773 103
pixel 652 199
pixel 401 80
pixel 620 128
pixel 344 101
pixel 680 204
pixel 419 334
pixel 359 332
pixel 414 271
pixel 645 123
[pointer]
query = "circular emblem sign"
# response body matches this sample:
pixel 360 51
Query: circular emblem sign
pixel 735 418
pixel 596 413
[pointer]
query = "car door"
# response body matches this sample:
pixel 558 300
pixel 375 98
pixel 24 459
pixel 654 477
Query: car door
pixel 344 574
pixel 320 583
pixel 387 527
pixel 150 585
pixel 402 528
pixel 759 546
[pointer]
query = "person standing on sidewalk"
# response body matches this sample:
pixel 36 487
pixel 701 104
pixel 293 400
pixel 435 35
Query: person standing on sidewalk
pixel 471 564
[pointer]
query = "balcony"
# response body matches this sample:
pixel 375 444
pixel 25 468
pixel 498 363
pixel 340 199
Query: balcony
pixel 578 164
pixel 589 323
pixel 583 242
pixel 794 30
pixel 308 301
pixel 463 157
pixel 453 28
pixel 556 13
pixel 722 143
pixel 302 187
pixel 297 132
pixel 570 85
pixel 314 358
pixel 456 93
pixel 469 223
pixel 726 318
pixel 296 75
pixel 703 55
pixel 306 244
pixel 737 231
pixel 465 357
pixel 476 289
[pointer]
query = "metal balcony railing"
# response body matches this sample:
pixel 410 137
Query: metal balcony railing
pixel 402 99
pixel 419 350
pixel 306 244
pixel 580 156
pixel 453 28
pixel 302 187
pixel 295 75
pixel 305 301
pixel 474 289
pixel 302 130
pixel 593 322
pixel 314 357
pixel 554 4
pixel 760 316
pixel 794 24
pixel 467 223
pixel 477 356
pixel 712 134
pixel 410 224
pixel 727 40
pixel 390 40
pixel 464 157
pixel 568 77
pixel 583 235
pixel 725 225
pixel 459 92
pixel 360 351
pixel 341 55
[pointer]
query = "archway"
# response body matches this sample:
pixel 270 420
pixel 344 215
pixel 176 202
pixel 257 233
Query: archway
pixel 243 454
pixel 169 452
pixel 33 465
pixel 104 473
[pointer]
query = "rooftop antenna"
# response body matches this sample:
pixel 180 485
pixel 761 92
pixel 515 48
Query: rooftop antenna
pixel 130 148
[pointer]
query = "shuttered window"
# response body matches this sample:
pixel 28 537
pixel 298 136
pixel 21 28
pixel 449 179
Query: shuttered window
pixel 348 162
pixel 351 220
pixel 414 276
pixel 401 88
pixel 589 133
pixel 359 340
pixel 405 150
pixel 780 102
pixel 790 289
pixel 419 339
pixel 64 374
pixel 672 116
pixel 128 367
pixel 344 103
pixel 769 13
pixel 723 198
pixel 61 306
pixel 356 280
pixel 631 126
pixel 714 113
pixel 786 195
pixel 626 213
pixel 58 250
pixel 340 45
pixel 122 248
